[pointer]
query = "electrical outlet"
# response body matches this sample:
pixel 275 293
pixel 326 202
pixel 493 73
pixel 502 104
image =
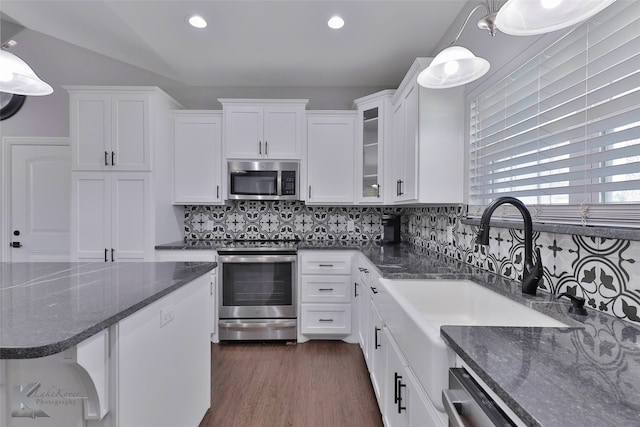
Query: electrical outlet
pixel 166 316
pixel 449 234
pixel 351 227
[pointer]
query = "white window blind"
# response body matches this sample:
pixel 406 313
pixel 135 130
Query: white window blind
pixel 562 133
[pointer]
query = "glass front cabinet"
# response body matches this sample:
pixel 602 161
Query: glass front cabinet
pixel 374 114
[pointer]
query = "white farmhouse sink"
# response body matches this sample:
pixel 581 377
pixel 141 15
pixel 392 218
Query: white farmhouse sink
pixel 463 302
pixel 414 310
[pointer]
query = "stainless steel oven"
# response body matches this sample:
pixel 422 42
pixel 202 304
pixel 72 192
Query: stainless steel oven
pixel 468 405
pixel 257 293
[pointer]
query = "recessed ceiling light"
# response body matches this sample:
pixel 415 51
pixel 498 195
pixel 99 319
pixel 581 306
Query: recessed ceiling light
pixel 197 21
pixel 335 22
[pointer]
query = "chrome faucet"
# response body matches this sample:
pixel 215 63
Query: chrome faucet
pixel 532 274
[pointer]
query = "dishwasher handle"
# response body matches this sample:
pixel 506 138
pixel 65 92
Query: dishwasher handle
pixel 453 401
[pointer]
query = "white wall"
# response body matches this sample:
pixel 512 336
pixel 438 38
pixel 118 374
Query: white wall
pixel 60 63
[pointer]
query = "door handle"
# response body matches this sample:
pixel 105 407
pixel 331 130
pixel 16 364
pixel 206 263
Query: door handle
pixel 266 148
pixel 378 189
pixel 355 289
pixel 112 251
pixel 375 336
pixel 374 290
pixel 15 245
pixel 113 156
pixel 106 158
pixel 260 147
pixel 217 191
pixel 106 252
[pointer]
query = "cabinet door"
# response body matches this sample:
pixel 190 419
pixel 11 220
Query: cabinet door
pixel 131 216
pixel 377 353
pixel 409 185
pixel 90 131
pixel 396 175
pixel 283 132
pixel 243 132
pixel 197 160
pixel 330 156
pixel 131 128
pixel 369 165
pixel 90 216
pixel 395 398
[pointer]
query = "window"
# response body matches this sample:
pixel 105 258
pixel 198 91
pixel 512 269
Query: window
pixel 562 132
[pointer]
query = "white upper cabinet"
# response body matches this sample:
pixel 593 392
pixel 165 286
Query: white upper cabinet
pixel 427 157
pixel 110 130
pixel 259 129
pixel 374 130
pixel 197 157
pixel 330 157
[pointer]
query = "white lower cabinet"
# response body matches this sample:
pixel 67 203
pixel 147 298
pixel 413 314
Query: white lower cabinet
pixel 404 403
pixel 326 293
pixel 377 353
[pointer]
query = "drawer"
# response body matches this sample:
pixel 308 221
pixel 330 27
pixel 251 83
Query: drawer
pixel 325 319
pixel 330 263
pixel 331 289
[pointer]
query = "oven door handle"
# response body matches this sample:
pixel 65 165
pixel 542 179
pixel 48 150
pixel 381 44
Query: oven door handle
pixel 248 324
pixel 222 258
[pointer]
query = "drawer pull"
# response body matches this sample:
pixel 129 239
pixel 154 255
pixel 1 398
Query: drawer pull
pixel 374 290
pixel 325 265
pixel 325 320
pixel 326 289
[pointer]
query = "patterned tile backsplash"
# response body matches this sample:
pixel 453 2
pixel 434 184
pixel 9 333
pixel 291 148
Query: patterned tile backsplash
pixel 605 271
pixel 283 220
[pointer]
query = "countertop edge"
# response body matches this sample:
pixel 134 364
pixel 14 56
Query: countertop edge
pixel 60 346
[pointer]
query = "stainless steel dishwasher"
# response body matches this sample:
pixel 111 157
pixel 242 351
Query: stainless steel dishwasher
pixel 468 405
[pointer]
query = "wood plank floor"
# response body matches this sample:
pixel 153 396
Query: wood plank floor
pixel 314 384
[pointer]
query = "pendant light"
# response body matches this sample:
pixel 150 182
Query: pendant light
pixel 17 77
pixel 532 17
pixel 456 65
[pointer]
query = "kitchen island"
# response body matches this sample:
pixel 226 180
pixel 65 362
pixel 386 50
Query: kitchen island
pixel 104 344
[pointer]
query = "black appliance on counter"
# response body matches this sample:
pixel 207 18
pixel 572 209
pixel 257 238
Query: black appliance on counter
pixel 391 228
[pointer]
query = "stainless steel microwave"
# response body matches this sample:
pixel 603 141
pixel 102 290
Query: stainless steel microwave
pixel 264 180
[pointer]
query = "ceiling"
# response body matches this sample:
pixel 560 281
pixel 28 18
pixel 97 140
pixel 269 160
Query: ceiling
pixel 250 43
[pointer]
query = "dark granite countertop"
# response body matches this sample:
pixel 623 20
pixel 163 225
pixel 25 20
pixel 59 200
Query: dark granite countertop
pixel 47 307
pixel 587 374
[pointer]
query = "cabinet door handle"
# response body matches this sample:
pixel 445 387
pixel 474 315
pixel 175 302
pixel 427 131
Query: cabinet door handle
pixel 112 251
pixel 401 185
pixel 266 148
pixel 374 290
pixel 309 191
pixel 113 156
pixel 378 188
pixel 106 158
pixel 325 265
pixel 375 336
pixel 217 191
pixel 355 289
pixel 326 289
pixel 397 187
pixel 400 387
pixel 325 320
pixel 396 380
pixel 260 147
pixel 363 270
pixel 106 251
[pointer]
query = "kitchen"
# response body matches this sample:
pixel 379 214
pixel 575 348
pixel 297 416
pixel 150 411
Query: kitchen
pixel 603 271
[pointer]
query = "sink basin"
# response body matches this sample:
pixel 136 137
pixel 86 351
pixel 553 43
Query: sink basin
pixel 414 310
pixel 463 302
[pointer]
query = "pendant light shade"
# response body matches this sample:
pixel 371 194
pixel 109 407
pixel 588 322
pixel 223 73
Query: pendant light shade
pixel 17 77
pixel 452 67
pixel 531 17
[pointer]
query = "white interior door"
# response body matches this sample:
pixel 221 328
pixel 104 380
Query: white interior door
pixel 39 197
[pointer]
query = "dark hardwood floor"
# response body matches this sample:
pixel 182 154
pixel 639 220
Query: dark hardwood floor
pixel 317 383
